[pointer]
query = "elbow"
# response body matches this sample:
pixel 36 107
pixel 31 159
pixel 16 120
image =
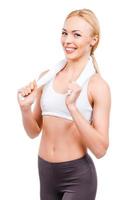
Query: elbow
pixel 33 135
pixel 102 151
pixel 100 154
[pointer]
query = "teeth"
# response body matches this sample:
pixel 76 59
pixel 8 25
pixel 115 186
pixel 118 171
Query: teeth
pixel 70 48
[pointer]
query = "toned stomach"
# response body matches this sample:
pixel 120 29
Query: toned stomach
pixel 60 140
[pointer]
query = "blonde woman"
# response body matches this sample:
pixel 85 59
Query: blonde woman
pixel 71 122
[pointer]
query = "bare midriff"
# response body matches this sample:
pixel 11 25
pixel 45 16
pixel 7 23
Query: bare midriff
pixel 60 140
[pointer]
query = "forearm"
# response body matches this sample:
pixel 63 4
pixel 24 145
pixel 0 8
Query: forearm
pixel 30 125
pixel 89 135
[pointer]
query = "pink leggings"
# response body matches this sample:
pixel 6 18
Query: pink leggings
pixel 69 180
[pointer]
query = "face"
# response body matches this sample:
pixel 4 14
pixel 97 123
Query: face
pixel 76 38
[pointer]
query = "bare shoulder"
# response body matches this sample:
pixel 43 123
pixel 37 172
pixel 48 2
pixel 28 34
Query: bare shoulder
pixel 99 88
pixel 98 82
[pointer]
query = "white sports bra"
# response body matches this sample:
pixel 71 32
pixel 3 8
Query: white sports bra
pixel 53 103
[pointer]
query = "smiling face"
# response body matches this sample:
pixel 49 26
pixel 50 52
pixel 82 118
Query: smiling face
pixel 77 38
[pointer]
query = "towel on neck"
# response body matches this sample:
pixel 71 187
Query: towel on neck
pixel 89 69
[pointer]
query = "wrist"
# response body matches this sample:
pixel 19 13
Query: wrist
pixel 25 109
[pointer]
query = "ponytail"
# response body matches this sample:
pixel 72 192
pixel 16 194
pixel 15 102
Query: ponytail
pixel 95 63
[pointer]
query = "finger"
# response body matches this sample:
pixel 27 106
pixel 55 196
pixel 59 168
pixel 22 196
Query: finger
pixel 22 93
pixel 28 90
pixel 32 85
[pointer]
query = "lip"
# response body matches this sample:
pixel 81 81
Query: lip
pixel 70 50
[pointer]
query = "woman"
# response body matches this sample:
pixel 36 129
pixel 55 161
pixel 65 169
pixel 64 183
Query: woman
pixel 71 123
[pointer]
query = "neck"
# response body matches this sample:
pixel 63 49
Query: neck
pixel 76 65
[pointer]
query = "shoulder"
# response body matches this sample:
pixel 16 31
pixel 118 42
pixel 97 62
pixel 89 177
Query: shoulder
pixel 97 82
pixel 98 88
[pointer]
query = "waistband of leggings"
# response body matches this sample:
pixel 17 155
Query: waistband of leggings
pixel 85 158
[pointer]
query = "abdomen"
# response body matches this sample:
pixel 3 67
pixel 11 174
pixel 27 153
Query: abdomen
pixel 60 140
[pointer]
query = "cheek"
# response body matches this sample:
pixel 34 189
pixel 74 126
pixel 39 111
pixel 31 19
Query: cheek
pixel 62 40
pixel 84 45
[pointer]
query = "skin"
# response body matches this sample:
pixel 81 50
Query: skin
pixel 62 139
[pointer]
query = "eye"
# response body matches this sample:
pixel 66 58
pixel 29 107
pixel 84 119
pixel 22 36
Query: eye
pixel 77 35
pixel 64 33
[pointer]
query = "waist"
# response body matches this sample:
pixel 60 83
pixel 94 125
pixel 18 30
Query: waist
pixel 85 158
pixel 56 155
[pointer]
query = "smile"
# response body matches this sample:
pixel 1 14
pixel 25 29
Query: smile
pixel 70 49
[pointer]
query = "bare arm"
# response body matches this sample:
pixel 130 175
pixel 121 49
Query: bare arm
pixel 30 124
pixel 32 120
pixel 95 136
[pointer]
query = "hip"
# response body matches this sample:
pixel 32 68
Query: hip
pixel 75 178
pixel 76 167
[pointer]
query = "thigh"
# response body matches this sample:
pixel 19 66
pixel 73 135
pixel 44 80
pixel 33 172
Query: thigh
pixel 72 196
pixel 87 187
pixel 46 178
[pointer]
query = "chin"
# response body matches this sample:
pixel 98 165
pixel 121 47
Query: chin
pixel 72 57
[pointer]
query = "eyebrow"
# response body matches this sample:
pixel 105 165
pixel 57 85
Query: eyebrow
pixel 72 31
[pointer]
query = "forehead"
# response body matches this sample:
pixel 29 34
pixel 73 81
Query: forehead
pixel 77 23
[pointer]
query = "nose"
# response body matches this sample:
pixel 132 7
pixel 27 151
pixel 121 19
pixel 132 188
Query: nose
pixel 68 39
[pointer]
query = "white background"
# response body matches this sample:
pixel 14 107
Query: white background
pixel 29 42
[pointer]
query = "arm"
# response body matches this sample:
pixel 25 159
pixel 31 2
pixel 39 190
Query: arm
pixel 32 120
pixel 95 136
pixel 30 124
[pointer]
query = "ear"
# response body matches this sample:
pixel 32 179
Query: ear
pixel 94 40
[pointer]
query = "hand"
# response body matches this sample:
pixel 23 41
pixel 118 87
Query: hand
pixel 26 95
pixel 73 92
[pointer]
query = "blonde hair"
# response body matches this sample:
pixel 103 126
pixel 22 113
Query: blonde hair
pixel 91 18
